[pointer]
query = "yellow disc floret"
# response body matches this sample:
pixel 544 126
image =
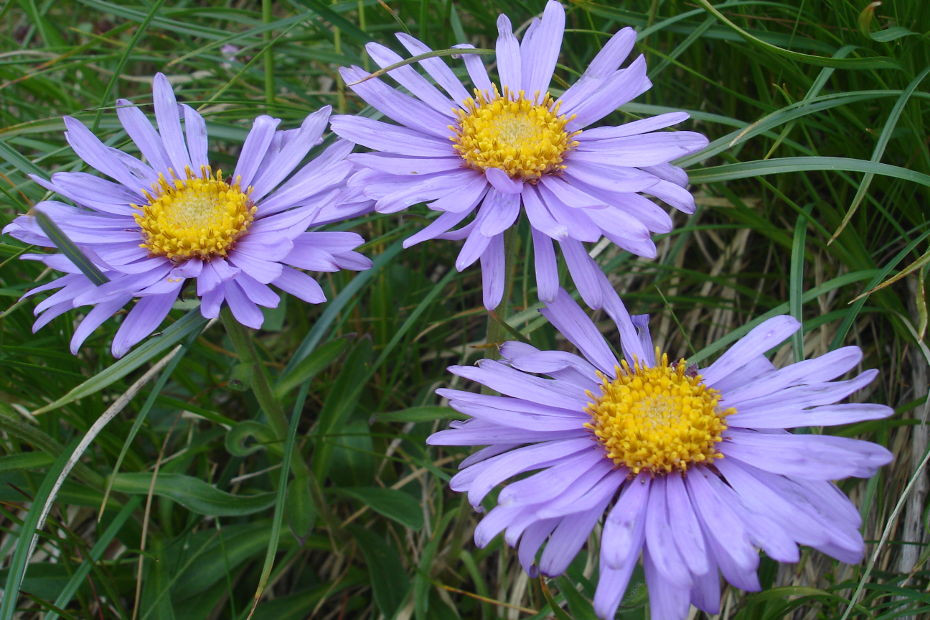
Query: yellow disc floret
pixel 523 138
pixel 659 419
pixel 194 217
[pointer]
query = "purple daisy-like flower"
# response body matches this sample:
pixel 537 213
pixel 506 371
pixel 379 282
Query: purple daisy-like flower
pixel 171 218
pixel 493 150
pixel 692 469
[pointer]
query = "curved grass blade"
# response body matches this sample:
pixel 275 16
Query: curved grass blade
pixel 185 326
pixel 872 62
pixel 67 247
pixel 780 165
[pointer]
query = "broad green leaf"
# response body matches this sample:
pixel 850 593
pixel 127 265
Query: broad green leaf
pixel 397 505
pixel 387 575
pixel 193 493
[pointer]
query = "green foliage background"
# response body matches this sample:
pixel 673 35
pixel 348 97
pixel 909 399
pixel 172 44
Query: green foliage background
pixel 818 115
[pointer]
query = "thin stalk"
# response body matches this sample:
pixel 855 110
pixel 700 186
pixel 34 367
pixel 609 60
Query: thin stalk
pixel 497 331
pixel 268 57
pixel 261 385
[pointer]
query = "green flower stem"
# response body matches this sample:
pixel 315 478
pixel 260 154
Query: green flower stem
pixel 497 331
pixel 268 57
pixel 261 386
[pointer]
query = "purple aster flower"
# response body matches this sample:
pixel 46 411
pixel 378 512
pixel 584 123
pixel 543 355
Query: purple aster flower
pixel 691 469
pixel 172 217
pixel 490 150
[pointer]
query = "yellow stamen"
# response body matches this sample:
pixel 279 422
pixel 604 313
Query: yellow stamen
pixel 658 419
pixel 195 217
pixel 523 138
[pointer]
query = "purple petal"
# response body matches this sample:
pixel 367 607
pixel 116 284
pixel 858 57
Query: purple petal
pixel 406 165
pixel 196 130
pixel 791 417
pixel 100 313
pixel 168 117
pixel 141 132
pixel 817 457
pixel 126 169
pixel 684 527
pixel 508 57
pixel 624 529
pixel 606 176
pixel 390 138
pixel 547 271
pixel 258 292
pixel 254 148
pixel 668 600
pixel 493 272
pixel 633 128
pixel 661 547
pixel 760 339
pixel 145 316
pixel 586 274
pixel 510 382
pixel 407 77
pixel 438 226
pixel 396 105
pixel 277 166
pixel 574 324
pixel 567 539
pixel 437 69
pixel 502 209
pixel 540 218
pixel 472 249
pixel 300 285
pixel 476 70
pixel 539 55
pixel 503 183
pixel 243 309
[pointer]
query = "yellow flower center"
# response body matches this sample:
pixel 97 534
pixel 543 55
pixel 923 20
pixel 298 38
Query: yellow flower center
pixel 658 419
pixel 198 216
pixel 523 138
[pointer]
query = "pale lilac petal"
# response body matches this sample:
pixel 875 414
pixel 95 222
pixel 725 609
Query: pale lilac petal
pixel 476 71
pixel 685 529
pixel 92 192
pixel 643 150
pixel 276 166
pixel 550 482
pixel 502 209
pixel 503 183
pixel 818 457
pixel 623 230
pixel 573 323
pixel 668 172
pixel 258 292
pixel 810 395
pixel 508 57
pixel 472 249
pixel 390 138
pixel 300 285
pixel 645 125
pixel 128 170
pixel 243 309
pixel 406 165
pixel 760 339
pixel 441 224
pixel 493 272
pixel 94 319
pixel 607 95
pixel 585 273
pixel 532 539
pixel 145 316
pixel 540 54
pixel 514 383
pixel 567 539
pixel 141 132
pixel 196 129
pixel 254 148
pixel 540 217
pixel 466 197
pixel 661 547
pixel 214 273
pixel 607 176
pixel 168 117
pixel 705 592
pixel 824 368
pixel 437 69
pixel 407 77
pixel 667 600
pixel 397 106
pixel 793 416
pixel 625 526
pixel 547 270
pixel 676 196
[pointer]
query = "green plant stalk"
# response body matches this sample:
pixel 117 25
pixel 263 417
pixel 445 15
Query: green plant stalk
pixel 242 342
pixel 268 57
pixel 498 331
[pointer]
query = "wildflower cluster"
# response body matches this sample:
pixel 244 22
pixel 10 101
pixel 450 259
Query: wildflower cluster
pixel 690 470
